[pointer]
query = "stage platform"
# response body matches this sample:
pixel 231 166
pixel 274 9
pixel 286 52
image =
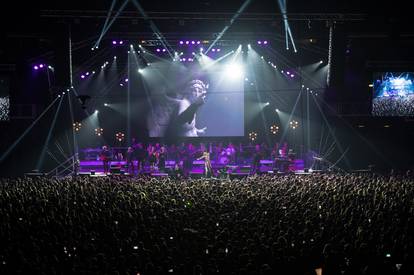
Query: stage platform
pixel 95 168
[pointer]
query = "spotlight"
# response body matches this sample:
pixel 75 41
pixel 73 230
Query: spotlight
pixel 106 104
pixel 259 42
pixel 267 104
pixel 41 66
pixel 181 42
pixel 321 61
pixel 274 129
pixel 114 42
pixel 96 111
pixel 293 124
pixel 99 132
pixel 77 126
pixel 234 71
pixel 121 42
pixel 120 136
pixel 265 42
pixel 35 67
pixel 277 110
pixel 252 136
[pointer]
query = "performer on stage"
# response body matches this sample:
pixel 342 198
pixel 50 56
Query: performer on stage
pixel 257 156
pixel 152 157
pixel 140 155
pixel 130 160
pixel 162 155
pixel 105 157
pixel 208 171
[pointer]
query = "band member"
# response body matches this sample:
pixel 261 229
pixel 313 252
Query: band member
pixel 130 160
pixel 162 155
pixel 140 155
pixel 257 156
pixel 105 157
pixel 208 171
pixel 187 155
pixel 152 157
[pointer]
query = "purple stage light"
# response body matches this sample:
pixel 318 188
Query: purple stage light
pixel 113 42
pixel 184 59
pixel 213 50
pixel 87 73
pixel 35 67
pixel 158 50
pixel 193 42
pixel 265 42
pixel 121 42
pixel 41 66
pixel 292 75
pixel 82 76
pixel 259 42
pixel 163 50
pixel 218 50
pixel 198 42
pixel 181 42
pixel 126 79
pixel 187 42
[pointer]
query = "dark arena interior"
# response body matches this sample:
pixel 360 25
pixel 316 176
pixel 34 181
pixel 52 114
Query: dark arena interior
pixel 206 137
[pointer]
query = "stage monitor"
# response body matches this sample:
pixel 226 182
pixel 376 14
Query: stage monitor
pixel 393 94
pixel 4 98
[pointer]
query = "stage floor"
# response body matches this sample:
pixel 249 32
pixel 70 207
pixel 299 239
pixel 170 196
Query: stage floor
pixel 95 168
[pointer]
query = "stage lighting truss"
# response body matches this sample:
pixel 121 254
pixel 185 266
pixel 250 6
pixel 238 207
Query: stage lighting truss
pixel 294 124
pixel 77 126
pixel 120 136
pixel 274 129
pixel 99 132
pixel 252 136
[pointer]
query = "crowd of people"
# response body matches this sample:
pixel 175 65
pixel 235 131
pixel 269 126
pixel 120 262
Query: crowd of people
pixel 284 224
pixel 393 106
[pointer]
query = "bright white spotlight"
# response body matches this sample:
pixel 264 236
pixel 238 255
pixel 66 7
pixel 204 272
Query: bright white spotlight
pixel 277 110
pixel 267 104
pixel 96 111
pixel 140 70
pixel 234 71
pixel 106 104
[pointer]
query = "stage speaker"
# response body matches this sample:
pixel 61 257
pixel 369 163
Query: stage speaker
pixel 115 170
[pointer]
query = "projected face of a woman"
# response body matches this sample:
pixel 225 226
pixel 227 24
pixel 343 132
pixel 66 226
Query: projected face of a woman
pixel 197 91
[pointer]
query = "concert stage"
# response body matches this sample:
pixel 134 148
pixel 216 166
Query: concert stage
pixel 95 168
